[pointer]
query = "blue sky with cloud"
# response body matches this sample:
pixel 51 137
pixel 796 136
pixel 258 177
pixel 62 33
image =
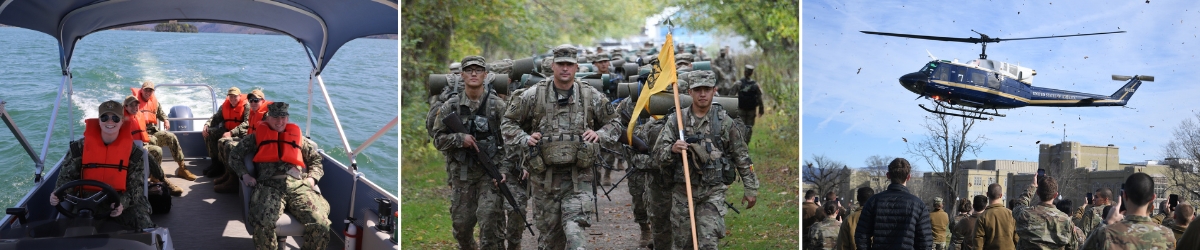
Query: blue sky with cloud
pixel 850 115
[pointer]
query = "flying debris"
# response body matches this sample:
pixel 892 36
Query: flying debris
pixel 1038 142
pixel 905 139
pixel 859 71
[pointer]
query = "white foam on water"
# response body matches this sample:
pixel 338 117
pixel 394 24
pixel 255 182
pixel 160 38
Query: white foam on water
pixel 199 99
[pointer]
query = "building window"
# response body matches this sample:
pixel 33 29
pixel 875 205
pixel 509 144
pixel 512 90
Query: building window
pixel 991 181
pixel 978 180
pixel 1095 164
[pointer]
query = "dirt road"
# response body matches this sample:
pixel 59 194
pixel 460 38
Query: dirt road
pixel 615 228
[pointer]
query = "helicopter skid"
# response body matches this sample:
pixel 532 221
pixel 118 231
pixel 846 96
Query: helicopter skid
pixel 973 114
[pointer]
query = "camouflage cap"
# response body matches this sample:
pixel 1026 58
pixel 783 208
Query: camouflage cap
pixel 234 91
pixel 702 78
pixel 111 106
pixel 937 201
pixel 473 60
pixel 277 109
pixel 749 67
pixel 130 99
pixel 565 53
pixel 148 85
pixel 546 62
pixel 456 68
pixel 257 93
pixel 600 57
pixel 684 57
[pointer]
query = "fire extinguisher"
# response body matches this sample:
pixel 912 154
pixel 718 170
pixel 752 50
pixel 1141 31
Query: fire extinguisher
pixel 352 233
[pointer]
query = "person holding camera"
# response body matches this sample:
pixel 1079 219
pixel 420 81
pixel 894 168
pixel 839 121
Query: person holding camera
pixel 1136 230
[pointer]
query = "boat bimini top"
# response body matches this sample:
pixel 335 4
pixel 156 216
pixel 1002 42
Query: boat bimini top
pixel 321 26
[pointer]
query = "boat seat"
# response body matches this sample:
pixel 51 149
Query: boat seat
pixel 287 225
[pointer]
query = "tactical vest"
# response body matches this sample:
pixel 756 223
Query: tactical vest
pixel 232 113
pixel 276 146
pixel 562 140
pixel 107 163
pixel 147 107
pixel 717 169
pixel 486 132
pixel 747 97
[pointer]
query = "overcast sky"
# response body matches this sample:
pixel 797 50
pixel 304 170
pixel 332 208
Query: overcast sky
pixel 850 115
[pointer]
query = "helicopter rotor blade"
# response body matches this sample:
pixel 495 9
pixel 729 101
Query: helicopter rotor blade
pixel 1044 37
pixel 935 38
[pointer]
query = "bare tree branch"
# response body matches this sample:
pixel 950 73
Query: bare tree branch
pixel 826 174
pixel 943 146
pixel 1182 152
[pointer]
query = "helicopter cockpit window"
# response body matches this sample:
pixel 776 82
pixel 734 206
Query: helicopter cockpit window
pixel 929 68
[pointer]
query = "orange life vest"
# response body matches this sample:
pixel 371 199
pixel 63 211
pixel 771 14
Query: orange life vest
pixel 137 128
pixel 147 107
pixel 257 115
pixel 105 163
pixel 233 113
pixel 278 146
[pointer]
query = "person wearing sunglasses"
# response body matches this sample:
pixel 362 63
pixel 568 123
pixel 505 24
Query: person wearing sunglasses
pixel 107 154
pixel 138 131
pixel 150 113
pixel 258 110
pixel 233 112
pixel 287 169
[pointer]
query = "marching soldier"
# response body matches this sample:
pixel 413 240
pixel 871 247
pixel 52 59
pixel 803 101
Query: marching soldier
pixel 637 184
pixel 567 119
pixel 476 199
pixel 718 150
pixel 288 169
pixel 723 66
pixel 749 99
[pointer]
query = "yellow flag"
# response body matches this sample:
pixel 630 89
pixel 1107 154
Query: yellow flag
pixel 662 77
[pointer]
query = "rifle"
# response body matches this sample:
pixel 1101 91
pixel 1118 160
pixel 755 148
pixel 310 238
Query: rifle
pixel 455 124
pixel 730 205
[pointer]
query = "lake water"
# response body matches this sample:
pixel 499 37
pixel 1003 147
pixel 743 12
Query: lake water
pixel 361 79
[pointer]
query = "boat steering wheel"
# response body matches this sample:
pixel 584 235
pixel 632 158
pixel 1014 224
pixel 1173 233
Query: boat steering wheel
pixel 106 196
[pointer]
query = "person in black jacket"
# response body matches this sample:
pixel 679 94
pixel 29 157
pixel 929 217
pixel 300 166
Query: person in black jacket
pixel 894 218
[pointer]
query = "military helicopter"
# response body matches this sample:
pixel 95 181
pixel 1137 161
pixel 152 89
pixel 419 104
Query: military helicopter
pixel 981 84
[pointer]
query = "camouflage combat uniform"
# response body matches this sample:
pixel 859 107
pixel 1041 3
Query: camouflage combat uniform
pixel 562 193
pixel 1134 232
pixel 823 235
pixel 164 138
pixel 519 155
pixel 475 199
pixel 277 192
pixel 723 67
pixel 216 128
pixel 1042 226
pixel 136 214
pixel 658 188
pixel 1090 219
pixel 641 162
pixel 226 144
pixel 749 100
pixel 708 187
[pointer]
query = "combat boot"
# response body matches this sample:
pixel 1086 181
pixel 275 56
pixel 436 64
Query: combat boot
pixel 224 178
pixel 175 190
pixel 228 187
pixel 214 170
pixel 646 239
pixel 182 171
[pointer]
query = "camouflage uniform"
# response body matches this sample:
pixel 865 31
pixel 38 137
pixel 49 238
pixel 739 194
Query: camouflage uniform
pixel 561 192
pixel 723 67
pixel 137 207
pixel 749 100
pixel 163 138
pixel 1090 219
pixel 216 128
pixel 1134 232
pixel 277 192
pixel 940 225
pixel 637 180
pixel 475 199
pixel 519 154
pixel 658 188
pixel 823 235
pixel 726 149
pixel 1042 226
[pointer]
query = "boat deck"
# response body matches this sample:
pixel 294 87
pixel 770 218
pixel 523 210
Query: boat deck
pixel 204 219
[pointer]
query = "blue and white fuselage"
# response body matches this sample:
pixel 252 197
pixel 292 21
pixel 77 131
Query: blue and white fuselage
pixel 995 85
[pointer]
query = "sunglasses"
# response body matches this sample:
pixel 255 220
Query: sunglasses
pixel 254 100
pixel 114 118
